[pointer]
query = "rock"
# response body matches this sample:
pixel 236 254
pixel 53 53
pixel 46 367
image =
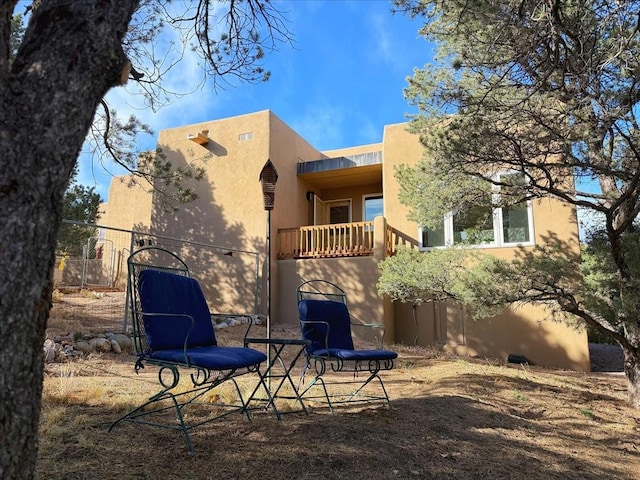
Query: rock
pixel 115 346
pixel 101 344
pixel 123 340
pixel 83 346
pixel 64 339
pixel 49 352
pixel 61 348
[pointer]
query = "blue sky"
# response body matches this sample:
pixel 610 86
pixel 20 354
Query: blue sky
pixel 337 86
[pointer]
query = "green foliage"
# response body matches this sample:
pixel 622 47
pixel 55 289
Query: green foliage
pixel 416 277
pixel 542 275
pixel 168 177
pixel 81 203
pixel 446 190
pixel 605 291
pixel 482 281
pixel 17 32
pixel 523 95
pixel 588 413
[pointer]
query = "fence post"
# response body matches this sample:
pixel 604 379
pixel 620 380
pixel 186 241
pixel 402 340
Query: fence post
pixel 127 294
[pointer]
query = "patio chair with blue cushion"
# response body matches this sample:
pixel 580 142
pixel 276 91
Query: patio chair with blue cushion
pixel 327 327
pixel 173 330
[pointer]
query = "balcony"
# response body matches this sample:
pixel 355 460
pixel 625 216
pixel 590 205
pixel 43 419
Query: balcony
pixel 316 241
pixel 338 240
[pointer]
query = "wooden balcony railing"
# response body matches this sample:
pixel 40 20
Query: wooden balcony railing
pixel 394 238
pixel 315 241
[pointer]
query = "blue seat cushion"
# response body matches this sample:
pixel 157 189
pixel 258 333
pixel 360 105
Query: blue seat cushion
pixel 169 301
pixel 362 355
pixel 213 357
pixel 318 315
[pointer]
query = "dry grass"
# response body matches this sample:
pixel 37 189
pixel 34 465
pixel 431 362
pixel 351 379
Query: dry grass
pixel 451 418
pixel 85 311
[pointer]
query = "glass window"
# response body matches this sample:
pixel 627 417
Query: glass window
pixel 433 238
pixel 515 224
pixel 373 207
pixel 484 225
pixel 474 226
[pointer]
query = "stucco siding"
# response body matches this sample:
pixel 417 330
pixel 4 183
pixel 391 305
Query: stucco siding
pixel 357 276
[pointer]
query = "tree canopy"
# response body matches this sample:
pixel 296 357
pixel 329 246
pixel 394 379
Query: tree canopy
pixel 529 100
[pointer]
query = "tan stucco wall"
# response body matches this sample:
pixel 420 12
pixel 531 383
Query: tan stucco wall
pixel 529 331
pixel 229 211
pixel 356 276
pixel 129 204
pixel 287 148
pixel 129 208
pixel 526 331
pixel 400 147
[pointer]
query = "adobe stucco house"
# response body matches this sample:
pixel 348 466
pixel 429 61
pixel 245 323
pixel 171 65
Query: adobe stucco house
pixel 336 215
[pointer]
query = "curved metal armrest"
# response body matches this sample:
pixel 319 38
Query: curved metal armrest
pixel 372 325
pixel 249 326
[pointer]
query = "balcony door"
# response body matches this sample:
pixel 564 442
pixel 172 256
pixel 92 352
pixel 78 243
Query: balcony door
pixel 331 211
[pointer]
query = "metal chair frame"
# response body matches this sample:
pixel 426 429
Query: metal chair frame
pixel 202 379
pixel 370 362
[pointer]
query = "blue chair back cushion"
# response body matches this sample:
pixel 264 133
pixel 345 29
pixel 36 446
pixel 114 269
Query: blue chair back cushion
pixel 335 317
pixel 169 294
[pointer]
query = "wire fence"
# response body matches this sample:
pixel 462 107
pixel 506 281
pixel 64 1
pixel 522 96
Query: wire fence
pixel 90 277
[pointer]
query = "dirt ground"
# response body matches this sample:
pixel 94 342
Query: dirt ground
pixel 451 418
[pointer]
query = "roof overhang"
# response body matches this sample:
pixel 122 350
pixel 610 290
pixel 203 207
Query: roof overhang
pixel 344 177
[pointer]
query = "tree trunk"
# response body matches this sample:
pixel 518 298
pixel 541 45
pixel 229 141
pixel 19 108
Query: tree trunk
pixel 70 56
pixel 632 372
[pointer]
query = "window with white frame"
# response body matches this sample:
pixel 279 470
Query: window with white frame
pixel 483 225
